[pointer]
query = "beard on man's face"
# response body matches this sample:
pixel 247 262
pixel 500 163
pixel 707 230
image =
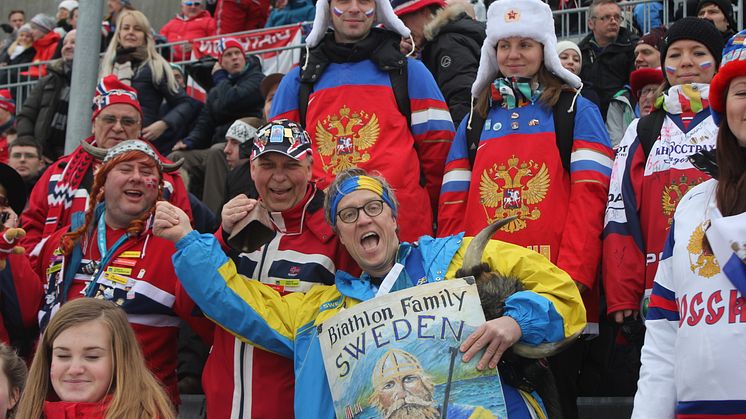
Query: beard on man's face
pixel 411 407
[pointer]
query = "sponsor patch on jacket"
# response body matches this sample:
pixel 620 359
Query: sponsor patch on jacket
pixel 125 262
pixel 119 270
pixel 130 254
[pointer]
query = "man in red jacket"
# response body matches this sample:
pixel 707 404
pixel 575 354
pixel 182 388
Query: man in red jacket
pixel 192 22
pixel 242 381
pixel 64 187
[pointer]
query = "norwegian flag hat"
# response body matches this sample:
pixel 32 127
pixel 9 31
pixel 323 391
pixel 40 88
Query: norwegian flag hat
pixel 281 136
pixel 111 90
pixel 226 43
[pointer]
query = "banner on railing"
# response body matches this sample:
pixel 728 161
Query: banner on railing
pixel 272 62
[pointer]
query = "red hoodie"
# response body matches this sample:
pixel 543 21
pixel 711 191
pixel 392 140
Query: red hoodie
pixel 45 48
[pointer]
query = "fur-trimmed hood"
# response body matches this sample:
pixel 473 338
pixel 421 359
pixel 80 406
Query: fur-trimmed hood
pixel 453 18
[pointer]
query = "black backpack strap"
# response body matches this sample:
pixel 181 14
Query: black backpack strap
pixel 303 95
pixel 400 85
pixel 399 78
pixel 473 134
pixel 649 129
pixel 564 126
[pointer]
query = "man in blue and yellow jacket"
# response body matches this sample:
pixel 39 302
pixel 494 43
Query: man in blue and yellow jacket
pixel 363 212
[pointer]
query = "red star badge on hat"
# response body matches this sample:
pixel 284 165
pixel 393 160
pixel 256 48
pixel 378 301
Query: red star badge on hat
pixel 512 15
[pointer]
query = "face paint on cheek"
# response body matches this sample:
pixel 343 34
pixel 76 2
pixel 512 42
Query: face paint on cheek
pixel 370 12
pixel 337 12
pixel 705 65
pixel 670 69
pixel 151 183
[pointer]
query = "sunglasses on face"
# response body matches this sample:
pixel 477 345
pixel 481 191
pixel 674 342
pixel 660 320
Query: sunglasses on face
pixel 192 3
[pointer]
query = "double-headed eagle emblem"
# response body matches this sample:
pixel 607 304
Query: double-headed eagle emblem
pixel 673 193
pixel 700 262
pixel 515 189
pixel 343 140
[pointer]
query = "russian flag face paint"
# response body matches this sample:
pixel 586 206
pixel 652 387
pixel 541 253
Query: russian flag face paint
pixel 337 12
pixel 369 13
pixel 670 70
pixel 705 65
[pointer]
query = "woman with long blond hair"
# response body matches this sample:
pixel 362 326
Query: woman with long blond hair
pixel 89 365
pixel 131 55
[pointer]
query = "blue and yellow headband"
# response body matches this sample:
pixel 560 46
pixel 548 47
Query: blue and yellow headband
pixel 358 183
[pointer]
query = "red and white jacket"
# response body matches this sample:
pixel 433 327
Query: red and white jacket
pixel 644 194
pixel 241 381
pixel 141 279
pixel 63 190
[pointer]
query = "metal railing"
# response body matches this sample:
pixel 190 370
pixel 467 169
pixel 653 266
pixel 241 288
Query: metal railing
pixel 569 24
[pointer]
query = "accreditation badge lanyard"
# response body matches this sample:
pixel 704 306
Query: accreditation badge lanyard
pixel 390 279
pixel 106 254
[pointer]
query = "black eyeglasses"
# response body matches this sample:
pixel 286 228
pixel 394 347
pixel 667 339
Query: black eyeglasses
pixel 372 209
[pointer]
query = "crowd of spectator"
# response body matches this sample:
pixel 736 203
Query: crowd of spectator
pixel 591 146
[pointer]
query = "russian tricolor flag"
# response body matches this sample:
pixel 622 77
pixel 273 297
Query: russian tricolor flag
pixel 727 237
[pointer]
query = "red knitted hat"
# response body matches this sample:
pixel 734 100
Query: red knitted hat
pixel 403 7
pixel 643 77
pixel 111 90
pixel 226 43
pixel 733 65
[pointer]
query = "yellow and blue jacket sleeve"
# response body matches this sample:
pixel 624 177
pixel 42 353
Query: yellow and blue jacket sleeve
pixel 250 310
pixel 551 308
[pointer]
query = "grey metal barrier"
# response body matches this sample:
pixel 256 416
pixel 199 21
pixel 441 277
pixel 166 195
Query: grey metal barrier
pixel 570 24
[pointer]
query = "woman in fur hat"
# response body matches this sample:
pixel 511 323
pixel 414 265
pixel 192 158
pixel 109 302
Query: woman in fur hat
pixel 704 261
pixel 527 163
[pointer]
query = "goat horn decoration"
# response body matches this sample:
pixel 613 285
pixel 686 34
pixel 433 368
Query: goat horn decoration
pixel 473 258
pixel 100 154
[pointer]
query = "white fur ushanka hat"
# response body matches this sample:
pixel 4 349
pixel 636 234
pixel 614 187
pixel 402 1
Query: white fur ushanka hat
pixel 520 18
pixel 384 16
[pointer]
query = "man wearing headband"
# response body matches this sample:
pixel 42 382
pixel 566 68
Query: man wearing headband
pixel 364 211
pixel 109 252
pixel 304 251
pixel 365 104
pixel 63 188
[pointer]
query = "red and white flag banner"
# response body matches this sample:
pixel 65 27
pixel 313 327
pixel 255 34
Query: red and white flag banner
pixel 272 62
